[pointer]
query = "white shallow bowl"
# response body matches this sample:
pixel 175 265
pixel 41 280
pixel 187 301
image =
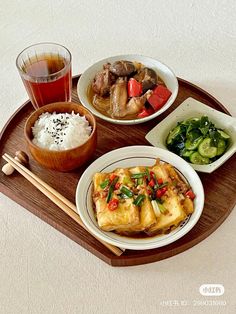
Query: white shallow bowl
pixel 163 71
pixel 191 108
pixel 128 157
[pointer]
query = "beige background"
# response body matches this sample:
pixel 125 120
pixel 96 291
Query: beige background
pixel 42 271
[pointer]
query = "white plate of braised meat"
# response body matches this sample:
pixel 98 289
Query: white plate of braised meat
pixel 139 197
pixel 127 89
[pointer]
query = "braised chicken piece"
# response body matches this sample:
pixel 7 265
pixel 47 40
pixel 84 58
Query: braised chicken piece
pixel 120 106
pixel 119 98
pixel 136 103
pixel 106 66
pixel 147 77
pixel 103 81
pixel 122 68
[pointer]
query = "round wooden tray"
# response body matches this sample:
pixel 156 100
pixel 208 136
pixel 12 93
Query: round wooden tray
pixel 219 186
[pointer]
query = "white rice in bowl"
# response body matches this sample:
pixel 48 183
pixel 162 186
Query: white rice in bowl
pixel 60 131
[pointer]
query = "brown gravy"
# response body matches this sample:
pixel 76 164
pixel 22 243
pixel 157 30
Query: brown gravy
pixel 143 235
pixel 91 95
pixel 106 113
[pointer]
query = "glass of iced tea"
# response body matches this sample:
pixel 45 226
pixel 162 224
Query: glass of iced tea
pixel 45 70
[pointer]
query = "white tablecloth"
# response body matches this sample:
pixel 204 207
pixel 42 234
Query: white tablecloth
pixel 41 270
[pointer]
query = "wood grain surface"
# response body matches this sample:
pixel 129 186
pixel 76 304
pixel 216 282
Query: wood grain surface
pixel 219 186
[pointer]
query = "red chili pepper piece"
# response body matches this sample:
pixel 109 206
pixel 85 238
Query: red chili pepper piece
pixel 152 174
pixel 112 176
pixel 161 192
pixel 158 194
pixel 190 194
pixel 134 88
pixel 156 102
pixel 159 97
pixel 164 189
pixel 117 186
pixel 145 112
pixel 151 183
pixel 113 204
pixel 163 92
pixel 160 181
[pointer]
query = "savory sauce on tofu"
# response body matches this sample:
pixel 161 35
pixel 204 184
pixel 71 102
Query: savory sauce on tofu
pixel 141 201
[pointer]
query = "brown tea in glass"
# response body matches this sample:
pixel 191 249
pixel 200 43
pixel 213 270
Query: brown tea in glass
pixel 45 70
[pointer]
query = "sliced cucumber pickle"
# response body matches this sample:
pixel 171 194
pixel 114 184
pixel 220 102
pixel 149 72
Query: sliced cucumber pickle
pixel 206 150
pixel 221 147
pixel 223 134
pixel 198 140
pixel 173 134
pixel 193 145
pixel 187 153
pixel 188 121
pixel 197 159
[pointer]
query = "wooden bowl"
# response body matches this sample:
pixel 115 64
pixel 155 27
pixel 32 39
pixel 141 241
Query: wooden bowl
pixel 64 160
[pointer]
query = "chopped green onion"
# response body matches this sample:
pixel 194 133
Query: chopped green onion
pixel 151 192
pixel 159 200
pixel 155 178
pixel 162 185
pixel 123 196
pixel 147 174
pixel 105 183
pixel 140 181
pixel 150 189
pixel 161 208
pixel 156 187
pixel 114 181
pixel 111 189
pixel 158 206
pixel 126 191
pixel 138 175
pixel 139 199
pixel 156 209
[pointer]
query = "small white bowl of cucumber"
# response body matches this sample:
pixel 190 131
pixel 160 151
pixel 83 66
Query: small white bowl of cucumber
pixel 203 136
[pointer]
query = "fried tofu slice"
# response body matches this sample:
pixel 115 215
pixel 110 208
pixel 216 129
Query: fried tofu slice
pixel 180 184
pixel 98 178
pixel 147 215
pixel 188 206
pixel 126 215
pixel 124 177
pixel 181 188
pixel 172 216
pixel 160 171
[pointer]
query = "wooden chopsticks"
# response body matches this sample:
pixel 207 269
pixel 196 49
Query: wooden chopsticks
pixel 68 207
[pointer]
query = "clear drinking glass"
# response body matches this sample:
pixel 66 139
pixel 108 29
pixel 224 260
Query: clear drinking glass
pixel 45 70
